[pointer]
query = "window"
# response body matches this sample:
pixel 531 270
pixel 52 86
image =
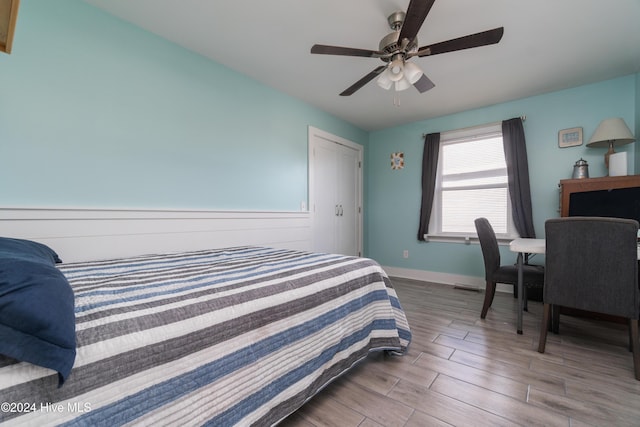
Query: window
pixel 471 182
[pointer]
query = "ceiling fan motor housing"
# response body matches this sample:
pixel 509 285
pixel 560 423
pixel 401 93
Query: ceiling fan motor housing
pixel 389 43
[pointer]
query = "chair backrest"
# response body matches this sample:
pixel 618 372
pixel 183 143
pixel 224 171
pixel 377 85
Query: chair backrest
pixel 489 246
pixel 591 263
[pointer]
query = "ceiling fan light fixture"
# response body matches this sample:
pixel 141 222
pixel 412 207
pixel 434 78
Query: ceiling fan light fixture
pixel 395 69
pixel 412 72
pixel 399 74
pixel 402 84
pixel 384 81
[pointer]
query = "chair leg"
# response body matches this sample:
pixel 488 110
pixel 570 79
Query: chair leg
pixel 489 293
pixel 542 342
pixel 524 299
pixel 635 347
pixel 555 319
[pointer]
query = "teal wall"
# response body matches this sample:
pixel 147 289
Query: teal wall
pixel 95 112
pixel 393 198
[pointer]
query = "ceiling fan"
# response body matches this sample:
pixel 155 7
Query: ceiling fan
pixel 398 47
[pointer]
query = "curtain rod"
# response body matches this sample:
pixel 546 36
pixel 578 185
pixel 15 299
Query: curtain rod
pixel 523 118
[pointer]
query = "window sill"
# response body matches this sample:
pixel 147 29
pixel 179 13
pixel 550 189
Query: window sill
pixel 467 240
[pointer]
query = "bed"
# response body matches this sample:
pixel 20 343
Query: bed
pixel 232 336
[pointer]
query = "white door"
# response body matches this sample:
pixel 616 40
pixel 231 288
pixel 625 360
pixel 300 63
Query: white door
pixel 324 206
pixel 335 193
pixel 347 224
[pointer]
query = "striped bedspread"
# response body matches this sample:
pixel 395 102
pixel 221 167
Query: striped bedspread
pixel 238 336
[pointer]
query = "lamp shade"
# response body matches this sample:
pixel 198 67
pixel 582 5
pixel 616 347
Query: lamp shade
pixel 609 131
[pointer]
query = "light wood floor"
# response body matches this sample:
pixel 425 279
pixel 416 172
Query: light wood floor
pixel 464 371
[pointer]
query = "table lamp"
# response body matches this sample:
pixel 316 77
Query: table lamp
pixel 609 133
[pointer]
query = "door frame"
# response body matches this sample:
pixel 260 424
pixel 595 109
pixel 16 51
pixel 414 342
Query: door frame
pixel 316 134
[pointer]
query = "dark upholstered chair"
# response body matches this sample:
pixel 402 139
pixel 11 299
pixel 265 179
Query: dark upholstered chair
pixel 591 264
pixel 496 273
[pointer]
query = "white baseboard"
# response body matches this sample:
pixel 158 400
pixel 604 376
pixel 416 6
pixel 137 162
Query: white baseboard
pixel 90 234
pixel 444 278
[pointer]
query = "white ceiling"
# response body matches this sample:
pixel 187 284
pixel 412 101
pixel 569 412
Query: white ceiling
pixel 548 45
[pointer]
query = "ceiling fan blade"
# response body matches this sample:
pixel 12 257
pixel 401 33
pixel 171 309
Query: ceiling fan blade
pixel 346 51
pixel 415 16
pixel 472 40
pixel 363 81
pixel 424 84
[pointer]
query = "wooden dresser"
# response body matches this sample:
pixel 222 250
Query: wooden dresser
pixel 8 17
pixel 570 186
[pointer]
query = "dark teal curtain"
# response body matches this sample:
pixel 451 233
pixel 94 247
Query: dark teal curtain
pixel 515 153
pixel 429 169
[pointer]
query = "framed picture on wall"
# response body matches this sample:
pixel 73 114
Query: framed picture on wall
pixel 397 161
pixel 570 137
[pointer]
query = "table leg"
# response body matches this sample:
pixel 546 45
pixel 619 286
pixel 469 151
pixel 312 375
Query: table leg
pixel 520 293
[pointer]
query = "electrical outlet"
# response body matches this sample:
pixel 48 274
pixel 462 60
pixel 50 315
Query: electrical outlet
pixel 405 254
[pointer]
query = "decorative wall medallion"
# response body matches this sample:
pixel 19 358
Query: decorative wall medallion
pixel 397 161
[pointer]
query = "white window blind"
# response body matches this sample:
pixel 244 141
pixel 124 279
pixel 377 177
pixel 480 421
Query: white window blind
pixel 471 182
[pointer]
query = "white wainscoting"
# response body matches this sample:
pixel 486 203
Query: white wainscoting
pixel 92 234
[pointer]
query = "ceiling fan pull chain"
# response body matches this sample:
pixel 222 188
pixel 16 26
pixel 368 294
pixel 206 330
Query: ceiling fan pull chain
pixel 396 100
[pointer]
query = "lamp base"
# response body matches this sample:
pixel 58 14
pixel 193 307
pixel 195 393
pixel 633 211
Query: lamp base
pixel 618 164
pixel 608 154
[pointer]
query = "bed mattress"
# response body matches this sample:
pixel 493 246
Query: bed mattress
pixel 236 336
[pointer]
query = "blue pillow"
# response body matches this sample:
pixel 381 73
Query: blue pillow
pixel 37 320
pixel 27 250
